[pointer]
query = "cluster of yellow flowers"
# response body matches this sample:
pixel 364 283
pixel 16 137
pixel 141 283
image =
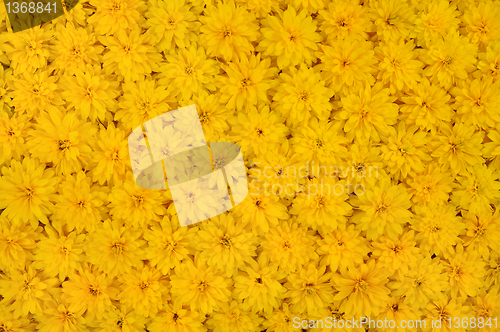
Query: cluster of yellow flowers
pixel 394 102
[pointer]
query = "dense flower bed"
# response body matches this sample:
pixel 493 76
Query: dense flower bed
pixel 394 103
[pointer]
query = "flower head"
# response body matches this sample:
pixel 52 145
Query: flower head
pixel 345 20
pixel 112 16
pixel 13 135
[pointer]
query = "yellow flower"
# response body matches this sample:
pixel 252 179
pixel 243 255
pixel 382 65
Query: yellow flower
pixel 362 168
pixel 259 287
pixel 368 112
pixel 301 95
pixel 434 21
pixel 258 130
pixel 114 249
pixel 79 204
pixel 110 157
pixel 200 286
pixel 478 103
pixel 177 319
pixel 492 149
pixel 397 310
pixel 486 307
pixel 28 50
pixel 347 64
pixel 91 93
pixel 134 205
pixel 246 82
pixel 89 293
pixel 10 323
pixel 168 244
pixel 431 186
pixel 345 20
pixel 173 23
pixel 25 291
pixel 35 92
pixel 382 210
pixel 492 271
pixel 13 135
pixel 232 318
pixel 131 55
pixel 309 289
pixel 342 248
pixel 483 233
pixel 58 255
pixel 363 288
pixel 458 148
pixel 489 61
pixel 393 19
pixel 478 190
pixel 406 152
pixel 320 142
pixel 426 105
pixel 280 320
pixel 425 281
pixel 190 71
pixel 58 318
pixel 438 229
pixel 74 48
pixel 322 204
pixel 292 38
pixel 397 254
pixel 142 100
pixel 144 289
pixel 466 272
pixel 398 66
pixel 228 31
pixel 481 22
pixel 290 246
pixel 62 139
pixel 112 16
pixel 225 244
pixel 16 244
pixel 449 59
pixel 27 192
pixel 448 308
pixel 311 6
pixel 5 88
pixel 261 8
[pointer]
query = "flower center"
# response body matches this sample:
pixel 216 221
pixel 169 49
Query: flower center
pixel 362 285
pixel 319 143
pixel 201 286
pixel 246 82
pixel 396 249
pixel 303 96
pixel 144 285
pixel 204 117
pixel 395 307
pixel 64 251
pixel 447 60
pixel 227 32
pixel 189 70
pixel 64 144
pixel 259 132
pixel 226 241
pixel 258 280
pixel 176 317
pixel 94 290
pixel 117 248
pixel 138 200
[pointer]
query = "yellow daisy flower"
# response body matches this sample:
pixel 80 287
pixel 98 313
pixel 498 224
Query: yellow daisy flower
pixel 130 54
pixel 58 318
pixel 261 8
pixel 363 288
pixel 62 139
pixel 121 319
pixel 301 95
pixel 345 20
pixel 290 246
pixel 483 233
pixel 144 289
pixel 492 277
pixel 25 291
pixel 383 210
pixel 114 249
pixel 486 307
pixel 200 287
pixel 398 311
pixel 112 16
pixel 190 71
pixel 491 149
pixel 481 23
pixel 5 88
pixel 28 192
pixel 232 318
pixel 258 286
pixel 224 244
pixel 438 229
pixel 16 245
pixel 89 294
pixel 143 100
pixel 393 19
pixel 177 319
pixel 478 190
pixel 59 255
pixel 368 112
pixel 342 248
pixel 74 48
pixel 448 308
pixel 80 204
pixel 10 323
pixel 477 102
pixel 362 168
pixel 246 82
pixel 347 64
pixel 489 61
pixel 173 23
pixel 434 21
pixel 292 38
pixel 281 320
pixel 228 31
pixel 424 282
pixel 432 186
pixel 466 272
